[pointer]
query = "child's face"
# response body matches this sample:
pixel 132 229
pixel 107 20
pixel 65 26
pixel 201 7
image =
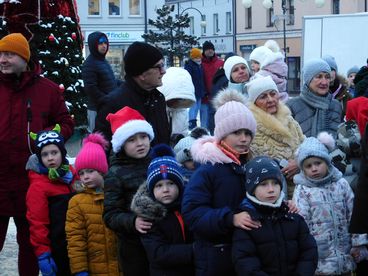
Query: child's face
pixel 137 146
pixel 315 168
pixel 91 178
pixel 166 191
pixel 51 156
pixel 268 191
pixel 189 164
pixel 239 140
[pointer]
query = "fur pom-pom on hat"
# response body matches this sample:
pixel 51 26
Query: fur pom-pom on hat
pixel 163 166
pixel 92 155
pixel 272 45
pixel 316 147
pixel 232 114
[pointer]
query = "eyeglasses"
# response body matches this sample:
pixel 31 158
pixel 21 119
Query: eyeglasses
pixel 7 55
pixel 160 66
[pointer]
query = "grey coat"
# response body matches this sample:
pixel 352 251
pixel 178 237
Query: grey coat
pixel 303 112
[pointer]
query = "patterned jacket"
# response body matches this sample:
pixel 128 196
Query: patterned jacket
pixel 91 245
pixel 327 210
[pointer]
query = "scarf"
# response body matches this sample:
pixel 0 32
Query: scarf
pixel 238 158
pixel 332 176
pixel 62 173
pixel 321 105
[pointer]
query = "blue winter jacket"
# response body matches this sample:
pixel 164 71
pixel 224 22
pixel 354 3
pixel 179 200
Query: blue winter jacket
pixel 196 72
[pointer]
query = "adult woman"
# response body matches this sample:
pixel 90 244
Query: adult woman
pixel 237 72
pixel 278 135
pixel 315 109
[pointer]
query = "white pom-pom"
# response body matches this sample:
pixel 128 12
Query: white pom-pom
pixel 272 45
pixel 326 139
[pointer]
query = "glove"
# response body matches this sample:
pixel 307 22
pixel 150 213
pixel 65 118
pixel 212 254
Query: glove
pixel 47 264
pixel 359 253
pixel 83 273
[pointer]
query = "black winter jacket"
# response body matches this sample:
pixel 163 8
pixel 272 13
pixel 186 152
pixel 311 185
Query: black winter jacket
pixel 282 246
pixel 97 74
pixel 150 104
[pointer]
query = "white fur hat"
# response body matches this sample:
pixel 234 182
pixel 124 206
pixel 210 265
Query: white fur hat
pixel 259 54
pixel 259 85
pixel 231 62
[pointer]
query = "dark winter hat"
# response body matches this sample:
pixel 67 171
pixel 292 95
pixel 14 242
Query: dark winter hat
pixel 208 45
pixel 140 57
pixel 331 62
pixel 259 169
pixel 163 166
pixel 49 137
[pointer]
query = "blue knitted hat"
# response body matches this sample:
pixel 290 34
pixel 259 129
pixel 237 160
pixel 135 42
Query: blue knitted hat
pixel 163 166
pixel 259 169
pixel 312 67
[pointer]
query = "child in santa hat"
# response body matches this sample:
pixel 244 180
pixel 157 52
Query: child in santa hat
pixel 131 139
pixel 86 232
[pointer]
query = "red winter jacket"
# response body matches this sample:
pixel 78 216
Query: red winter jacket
pixel 210 67
pixel 43 195
pixel 28 98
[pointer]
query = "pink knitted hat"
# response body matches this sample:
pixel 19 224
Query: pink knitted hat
pixel 232 114
pixel 92 155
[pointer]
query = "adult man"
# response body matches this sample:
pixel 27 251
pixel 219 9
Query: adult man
pixel 144 68
pixel 97 75
pixel 28 102
pixel 210 64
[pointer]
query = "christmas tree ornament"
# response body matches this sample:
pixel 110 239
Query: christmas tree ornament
pixel 74 36
pixel 61 87
pixel 51 38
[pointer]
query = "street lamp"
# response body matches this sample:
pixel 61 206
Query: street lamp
pixel 203 22
pixel 268 4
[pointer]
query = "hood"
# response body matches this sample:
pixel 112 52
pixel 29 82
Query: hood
pixel 33 164
pixel 93 43
pixel 271 57
pixel 177 84
pixel 144 206
pixel 205 150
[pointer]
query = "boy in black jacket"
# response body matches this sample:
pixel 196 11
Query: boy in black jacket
pixel 168 244
pixel 283 245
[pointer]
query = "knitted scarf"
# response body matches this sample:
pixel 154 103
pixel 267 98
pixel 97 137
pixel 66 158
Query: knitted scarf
pixel 62 173
pixel 321 105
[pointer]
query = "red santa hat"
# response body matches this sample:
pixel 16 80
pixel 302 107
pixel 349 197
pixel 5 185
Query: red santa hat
pixel 125 123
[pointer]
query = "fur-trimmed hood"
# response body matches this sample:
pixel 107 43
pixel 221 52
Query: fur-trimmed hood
pixel 144 206
pixel 205 150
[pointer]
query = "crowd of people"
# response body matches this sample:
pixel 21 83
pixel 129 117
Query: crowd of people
pixel 211 169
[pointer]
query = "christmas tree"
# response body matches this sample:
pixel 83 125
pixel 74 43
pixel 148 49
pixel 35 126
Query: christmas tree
pixel 169 35
pixel 52 30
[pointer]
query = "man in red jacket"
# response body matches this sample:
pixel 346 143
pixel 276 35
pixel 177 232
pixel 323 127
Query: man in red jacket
pixel 28 102
pixel 210 64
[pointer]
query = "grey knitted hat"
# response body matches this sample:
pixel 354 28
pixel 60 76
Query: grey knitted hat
pixel 331 61
pixel 182 149
pixel 354 69
pixel 312 67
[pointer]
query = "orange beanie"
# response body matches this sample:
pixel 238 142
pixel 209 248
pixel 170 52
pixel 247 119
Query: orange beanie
pixel 16 43
pixel 195 53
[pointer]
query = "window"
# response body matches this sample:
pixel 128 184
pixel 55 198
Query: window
pixel 248 18
pixel 215 23
pixel 203 26
pixel 228 22
pixel 270 17
pixel 114 7
pixel 335 6
pixel 290 12
pixel 94 7
pixel 191 25
pixel 134 7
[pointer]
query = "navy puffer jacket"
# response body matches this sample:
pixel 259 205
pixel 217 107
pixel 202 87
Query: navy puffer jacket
pixel 97 74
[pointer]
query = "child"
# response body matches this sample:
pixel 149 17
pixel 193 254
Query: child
pixel 217 187
pixel 325 200
pixel 168 243
pixel 182 151
pixel 91 245
pixel 51 178
pixel 128 169
pixel 283 245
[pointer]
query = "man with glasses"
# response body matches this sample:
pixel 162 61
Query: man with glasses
pixel 144 68
pixel 28 102
pixel 97 75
